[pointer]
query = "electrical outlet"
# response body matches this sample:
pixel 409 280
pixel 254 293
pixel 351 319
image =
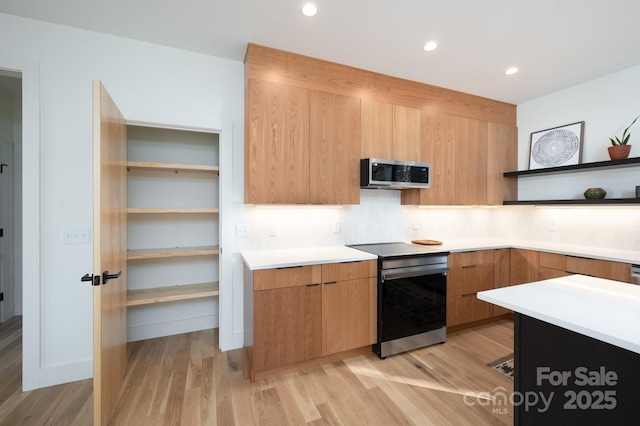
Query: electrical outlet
pixel 553 226
pixel 273 230
pixel 336 227
pixel 76 236
pixel 243 230
pixel 416 225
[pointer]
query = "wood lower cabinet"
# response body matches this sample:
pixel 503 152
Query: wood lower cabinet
pixel 470 273
pixel 525 266
pixel 287 327
pixel 501 275
pixel 309 313
pixel 558 265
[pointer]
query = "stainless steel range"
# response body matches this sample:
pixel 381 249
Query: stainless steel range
pixel 412 296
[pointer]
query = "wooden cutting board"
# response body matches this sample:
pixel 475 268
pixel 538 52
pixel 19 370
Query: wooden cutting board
pixel 427 242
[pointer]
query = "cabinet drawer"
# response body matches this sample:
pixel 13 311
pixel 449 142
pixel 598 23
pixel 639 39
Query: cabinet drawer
pixel 464 309
pixel 269 279
pixel 553 261
pixel 599 268
pixel 470 279
pixel 349 270
pixel 548 273
pixel 469 258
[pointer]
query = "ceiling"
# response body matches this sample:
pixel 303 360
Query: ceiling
pixel 555 43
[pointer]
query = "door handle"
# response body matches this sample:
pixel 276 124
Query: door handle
pixel 106 276
pixel 93 279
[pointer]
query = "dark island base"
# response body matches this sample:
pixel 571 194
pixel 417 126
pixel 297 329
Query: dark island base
pixel 566 378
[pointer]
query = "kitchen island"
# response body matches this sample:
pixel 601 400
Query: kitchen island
pixel 577 350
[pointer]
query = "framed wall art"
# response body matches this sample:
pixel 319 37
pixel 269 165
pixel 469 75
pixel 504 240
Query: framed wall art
pixel 558 146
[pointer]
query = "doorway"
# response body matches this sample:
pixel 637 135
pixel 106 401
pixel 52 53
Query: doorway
pixel 27 220
pixel 10 195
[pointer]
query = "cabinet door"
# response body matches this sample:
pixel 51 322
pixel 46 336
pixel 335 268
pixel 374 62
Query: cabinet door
pixel 334 133
pixel 406 134
pixel 466 309
pixel 548 273
pixel 469 280
pixel 287 326
pixel 502 156
pixel 599 268
pixel 470 186
pixel 524 266
pixel 501 275
pixel 377 133
pixel 276 144
pixel 348 315
pixel 437 137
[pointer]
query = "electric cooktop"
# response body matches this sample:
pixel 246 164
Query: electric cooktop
pixel 398 249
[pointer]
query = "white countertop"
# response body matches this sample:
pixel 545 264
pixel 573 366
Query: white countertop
pixel 283 258
pixel 627 256
pixel 603 309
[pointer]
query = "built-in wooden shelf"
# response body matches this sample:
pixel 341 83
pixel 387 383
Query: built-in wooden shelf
pixel 171 294
pixel 139 254
pixel 591 202
pixel 163 210
pixel 628 162
pixel 140 165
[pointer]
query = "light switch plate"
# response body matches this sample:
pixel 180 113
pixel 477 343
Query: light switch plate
pixel 76 236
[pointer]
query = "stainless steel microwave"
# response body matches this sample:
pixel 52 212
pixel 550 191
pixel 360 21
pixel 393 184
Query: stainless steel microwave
pixel 394 174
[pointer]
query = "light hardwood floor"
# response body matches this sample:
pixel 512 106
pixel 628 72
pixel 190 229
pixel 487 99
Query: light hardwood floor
pixel 184 380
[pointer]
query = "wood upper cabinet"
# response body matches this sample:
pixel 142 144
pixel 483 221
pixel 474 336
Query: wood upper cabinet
pixel 334 136
pixel 470 183
pixel 406 134
pixel 438 135
pixel 276 143
pixel 502 156
pixel 468 158
pixel 377 129
pixel 391 132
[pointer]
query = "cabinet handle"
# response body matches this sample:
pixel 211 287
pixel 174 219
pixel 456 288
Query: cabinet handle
pixel 290 267
pixel 469 266
pixel 312 285
pixel 331 282
pixel 469 294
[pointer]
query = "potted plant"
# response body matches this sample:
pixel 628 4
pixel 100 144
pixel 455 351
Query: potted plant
pixel 619 149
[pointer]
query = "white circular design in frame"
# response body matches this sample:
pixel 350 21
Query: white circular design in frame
pixel 555 147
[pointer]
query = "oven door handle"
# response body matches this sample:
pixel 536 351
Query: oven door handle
pixel 412 272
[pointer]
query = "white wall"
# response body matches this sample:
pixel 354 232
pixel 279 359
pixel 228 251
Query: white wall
pixel 606 105
pixel 149 83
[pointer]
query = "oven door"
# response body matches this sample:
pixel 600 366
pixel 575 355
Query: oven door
pixel 411 301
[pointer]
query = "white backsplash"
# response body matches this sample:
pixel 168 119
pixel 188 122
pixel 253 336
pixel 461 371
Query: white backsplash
pixel 379 217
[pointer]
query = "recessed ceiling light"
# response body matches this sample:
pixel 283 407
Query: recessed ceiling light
pixel 511 70
pixel 432 45
pixel 309 9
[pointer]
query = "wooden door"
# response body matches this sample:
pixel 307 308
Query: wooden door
pixel 406 134
pixel 109 253
pixel 471 162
